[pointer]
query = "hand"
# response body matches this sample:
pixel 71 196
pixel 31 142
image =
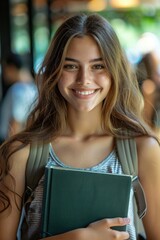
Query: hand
pixel 101 230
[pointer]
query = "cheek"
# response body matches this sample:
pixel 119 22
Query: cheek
pixel 62 81
pixel 63 84
pixel 66 79
pixel 105 82
pixel 60 86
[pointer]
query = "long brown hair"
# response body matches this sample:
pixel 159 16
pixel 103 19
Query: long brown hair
pixel 121 110
pixel 123 106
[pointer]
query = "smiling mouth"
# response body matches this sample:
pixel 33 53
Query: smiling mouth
pixel 85 93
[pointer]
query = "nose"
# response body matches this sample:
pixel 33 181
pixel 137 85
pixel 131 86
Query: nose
pixel 84 76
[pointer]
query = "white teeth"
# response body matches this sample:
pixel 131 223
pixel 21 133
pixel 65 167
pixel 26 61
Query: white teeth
pixel 85 92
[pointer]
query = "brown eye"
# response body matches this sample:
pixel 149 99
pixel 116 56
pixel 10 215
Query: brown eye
pixel 98 66
pixel 70 67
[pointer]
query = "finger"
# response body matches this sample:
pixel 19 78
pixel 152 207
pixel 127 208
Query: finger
pixel 119 235
pixel 112 222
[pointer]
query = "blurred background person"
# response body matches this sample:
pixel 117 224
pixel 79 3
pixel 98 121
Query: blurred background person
pixel 148 73
pixel 19 97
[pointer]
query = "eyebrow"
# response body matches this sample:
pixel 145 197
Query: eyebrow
pixel 74 60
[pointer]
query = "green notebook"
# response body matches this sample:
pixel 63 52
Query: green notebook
pixel 74 198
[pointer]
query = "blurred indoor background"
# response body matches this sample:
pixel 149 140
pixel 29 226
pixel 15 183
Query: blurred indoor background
pixel 26 26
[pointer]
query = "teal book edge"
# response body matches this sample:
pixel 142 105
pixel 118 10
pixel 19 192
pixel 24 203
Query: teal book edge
pixel 74 198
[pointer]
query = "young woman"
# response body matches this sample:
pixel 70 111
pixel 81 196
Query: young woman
pixel 88 97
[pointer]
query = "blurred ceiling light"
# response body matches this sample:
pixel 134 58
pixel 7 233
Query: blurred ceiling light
pixel 39 3
pixel 97 5
pixel 19 9
pixel 124 3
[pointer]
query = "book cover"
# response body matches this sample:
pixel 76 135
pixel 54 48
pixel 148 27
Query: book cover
pixel 75 198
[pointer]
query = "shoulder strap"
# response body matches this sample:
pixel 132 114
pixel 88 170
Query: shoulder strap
pixel 127 154
pixel 36 162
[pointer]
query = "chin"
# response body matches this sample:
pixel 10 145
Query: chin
pixel 85 109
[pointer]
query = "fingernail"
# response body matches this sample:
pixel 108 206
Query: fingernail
pixel 126 220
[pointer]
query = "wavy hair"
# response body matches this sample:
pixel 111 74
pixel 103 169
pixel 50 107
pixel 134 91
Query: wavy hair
pixel 121 110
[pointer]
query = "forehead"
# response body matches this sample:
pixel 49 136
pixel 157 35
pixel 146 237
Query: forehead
pixel 83 47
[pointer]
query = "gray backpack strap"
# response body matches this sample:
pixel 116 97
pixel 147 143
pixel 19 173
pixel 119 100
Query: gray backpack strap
pixel 127 154
pixel 36 162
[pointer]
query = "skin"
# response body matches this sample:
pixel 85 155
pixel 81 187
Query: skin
pixel 84 85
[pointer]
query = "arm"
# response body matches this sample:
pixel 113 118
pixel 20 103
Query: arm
pixel 149 174
pixel 10 218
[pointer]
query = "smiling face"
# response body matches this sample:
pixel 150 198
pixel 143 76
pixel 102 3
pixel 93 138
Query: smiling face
pixel 85 81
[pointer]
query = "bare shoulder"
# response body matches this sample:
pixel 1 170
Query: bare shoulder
pixel 17 165
pixel 148 150
pixel 14 179
pixel 19 157
pixel 147 146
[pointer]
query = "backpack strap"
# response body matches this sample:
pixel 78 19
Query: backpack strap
pixel 37 159
pixel 127 154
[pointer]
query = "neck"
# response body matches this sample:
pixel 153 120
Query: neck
pixel 84 124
